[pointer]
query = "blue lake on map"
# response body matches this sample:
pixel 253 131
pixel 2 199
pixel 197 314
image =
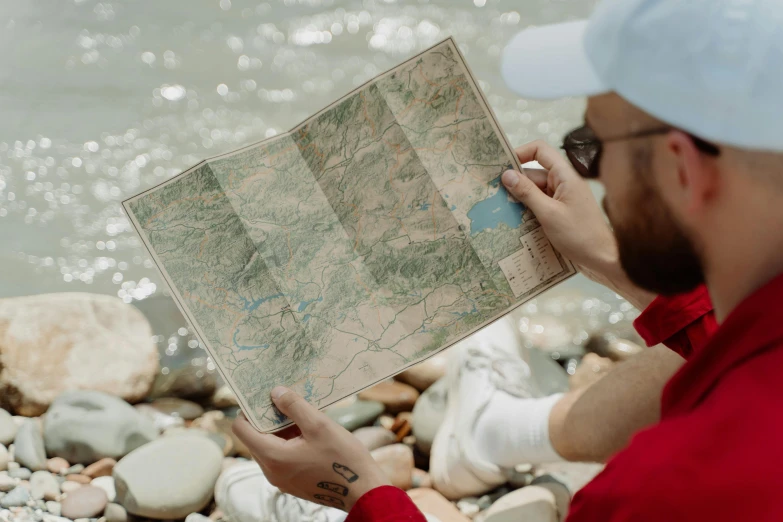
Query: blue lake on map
pixel 497 209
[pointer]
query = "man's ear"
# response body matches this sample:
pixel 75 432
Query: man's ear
pixel 697 176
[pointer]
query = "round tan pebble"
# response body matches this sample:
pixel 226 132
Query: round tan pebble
pixel 396 462
pixel 69 486
pixel 85 502
pixel 57 464
pixel 81 479
pixel 102 468
pixel 396 396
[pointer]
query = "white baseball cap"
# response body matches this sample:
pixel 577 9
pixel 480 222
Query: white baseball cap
pixel 713 68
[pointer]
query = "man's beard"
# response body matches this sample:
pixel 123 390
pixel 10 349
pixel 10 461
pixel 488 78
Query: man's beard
pixel 654 251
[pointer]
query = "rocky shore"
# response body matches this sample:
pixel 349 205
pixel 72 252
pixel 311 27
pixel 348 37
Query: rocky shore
pixel 139 444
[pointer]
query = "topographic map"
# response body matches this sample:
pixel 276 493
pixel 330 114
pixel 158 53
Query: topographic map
pixel 370 237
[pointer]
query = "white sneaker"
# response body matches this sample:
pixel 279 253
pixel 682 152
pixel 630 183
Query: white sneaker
pixel 483 364
pixel 244 494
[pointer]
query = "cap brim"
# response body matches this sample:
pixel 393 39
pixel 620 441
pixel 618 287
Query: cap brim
pixel 550 62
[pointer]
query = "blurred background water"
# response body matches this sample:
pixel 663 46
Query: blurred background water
pixel 100 100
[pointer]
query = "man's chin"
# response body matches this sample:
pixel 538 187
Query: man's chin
pixel 663 276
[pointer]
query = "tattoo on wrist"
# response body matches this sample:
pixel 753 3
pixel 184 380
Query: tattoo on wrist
pixel 333 501
pixel 345 472
pixel 334 488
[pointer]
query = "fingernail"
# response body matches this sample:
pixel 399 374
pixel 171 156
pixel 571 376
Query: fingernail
pixel 510 178
pixel 279 391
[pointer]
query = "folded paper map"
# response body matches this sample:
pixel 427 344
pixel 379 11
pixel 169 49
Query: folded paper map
pixel 373 235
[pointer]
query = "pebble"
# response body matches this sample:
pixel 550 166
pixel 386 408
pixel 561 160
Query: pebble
pixel 101 468
pixel 43 485
pixel 73 470
pixel 425 373
pixel 606 344
pixel 5 458
pixel 396 396
pixel 181 408
pixel 21 473
pixel 7 483
pixel 196 517
pixel 396 462
pixel 374 437
pixel 468 506
pixel 85 426
pixel 12 465
pixel 559 490
pixel 531 504
pixel 188 382
pixel 115 513
pixel 428 414
pixel 85 502
pixel 168 478
pixel 107 485
pixel 8 428
pixel 420 479
pixel 356 415
pixel 591 370
pixel 385 421
pixel 433 503
pixel 16 498
pixel 69 486
pixel 224 397
pixel 57 465
pixel 81 479
pixel 54 508
pixel 29 446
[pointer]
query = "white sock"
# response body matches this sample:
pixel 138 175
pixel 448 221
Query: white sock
pixel 514 430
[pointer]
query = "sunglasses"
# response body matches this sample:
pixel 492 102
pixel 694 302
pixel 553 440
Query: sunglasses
pixel 583 148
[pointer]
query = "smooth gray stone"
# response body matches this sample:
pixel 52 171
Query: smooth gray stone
pixel 29 446
pixel 20 473
pixel 428 414
pixel 356 415
pixel 16 498
pixel 85 426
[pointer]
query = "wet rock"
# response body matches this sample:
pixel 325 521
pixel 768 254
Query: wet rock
pixel 102 468
pixel 428 414
pixel 16 498
pixel 433 503
pixel 531 504
pixel 85 502
pixel 115 513
pixel 29 446
pixel 186 410
pixel 591 370
pixel 168 478
pixel 57 465
pixel 375 437
pixel 86 426
pixel 189 382
pixel 396 396
pixel 426 373
pixel 45 336
pixel 606 344
pixel 356 415
pixel 107 485
pixel 8 428
pixel 44 486
pixel 396 461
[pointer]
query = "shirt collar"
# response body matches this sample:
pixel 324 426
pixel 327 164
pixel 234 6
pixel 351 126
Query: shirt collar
pixel 752 327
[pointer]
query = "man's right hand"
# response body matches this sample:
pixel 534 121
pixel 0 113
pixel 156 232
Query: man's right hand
pixel 567 210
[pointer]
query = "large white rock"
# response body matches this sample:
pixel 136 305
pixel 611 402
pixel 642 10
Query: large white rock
pixel 72 341
pixel 85 426
pixel 168 478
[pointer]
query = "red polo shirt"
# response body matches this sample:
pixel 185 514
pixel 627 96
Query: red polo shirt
pixel 715 455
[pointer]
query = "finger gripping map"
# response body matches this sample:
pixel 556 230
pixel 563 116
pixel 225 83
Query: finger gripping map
pixel 370 237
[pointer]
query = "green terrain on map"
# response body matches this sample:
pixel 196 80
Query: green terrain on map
pixel 334 256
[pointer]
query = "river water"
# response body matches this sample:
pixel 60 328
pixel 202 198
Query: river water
pixel 100 100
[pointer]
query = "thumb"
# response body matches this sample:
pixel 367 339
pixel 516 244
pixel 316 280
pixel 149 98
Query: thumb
pixel 293 406
pixel 526 191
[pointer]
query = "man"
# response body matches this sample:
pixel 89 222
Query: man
pixel 684 127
